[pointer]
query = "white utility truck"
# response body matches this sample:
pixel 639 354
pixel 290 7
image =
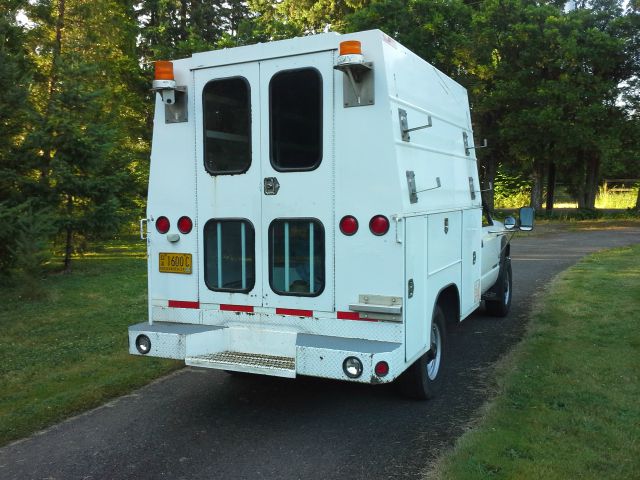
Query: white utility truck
pixel 314 209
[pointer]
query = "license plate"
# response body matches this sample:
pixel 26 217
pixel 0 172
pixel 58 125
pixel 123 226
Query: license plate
pixel 175 263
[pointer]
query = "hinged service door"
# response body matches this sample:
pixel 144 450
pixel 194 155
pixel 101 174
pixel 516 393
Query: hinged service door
pixel 296 116
pixel 228 197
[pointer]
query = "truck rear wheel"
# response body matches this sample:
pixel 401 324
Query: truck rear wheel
pixel 500 306
pixel 423 380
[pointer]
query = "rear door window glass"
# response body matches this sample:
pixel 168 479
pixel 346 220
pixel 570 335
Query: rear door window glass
pixel 229 263
pixel 296 257
pixel 296 119
pixel 227 126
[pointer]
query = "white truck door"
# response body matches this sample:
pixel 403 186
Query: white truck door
pixel 491 244
pixel 296 149
pixel 229 181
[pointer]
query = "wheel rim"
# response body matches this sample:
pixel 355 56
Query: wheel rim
pixel 507 289
pixel 436 348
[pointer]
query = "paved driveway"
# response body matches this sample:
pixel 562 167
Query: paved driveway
pixel 207 424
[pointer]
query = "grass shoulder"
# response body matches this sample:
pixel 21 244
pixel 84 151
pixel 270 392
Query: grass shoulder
pixel 567 405
pixel 65 350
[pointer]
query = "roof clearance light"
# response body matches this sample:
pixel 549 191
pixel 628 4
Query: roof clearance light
pixel 185 225
pixel 350 47
pixel 162 224
pixel 164 70
pixel 379 225
pixel 349 225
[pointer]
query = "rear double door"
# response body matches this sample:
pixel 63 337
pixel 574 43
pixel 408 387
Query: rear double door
pixel 264 165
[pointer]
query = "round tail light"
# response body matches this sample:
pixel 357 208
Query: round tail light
pixel 185 225
pixel 348 225
pixel 379 225
pixel 382 369
pixel 162 224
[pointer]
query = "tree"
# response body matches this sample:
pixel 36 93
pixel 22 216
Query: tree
pixel 83 144
pixel 15 109
pixel 178 28
pixel 548 89
pixel 437 31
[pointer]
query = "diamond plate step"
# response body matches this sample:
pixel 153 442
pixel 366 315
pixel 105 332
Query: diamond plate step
pixel 246 362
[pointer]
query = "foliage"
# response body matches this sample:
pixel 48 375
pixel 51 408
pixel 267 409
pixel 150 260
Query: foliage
pixel 24 241
pixel 555 90
pixel 65 350
pixel 567 406
pixel 438 31
pixel 79 149
pixel 510 190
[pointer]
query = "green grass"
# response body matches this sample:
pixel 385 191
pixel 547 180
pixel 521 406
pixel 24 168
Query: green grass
pixel 569 396
pixel 66 351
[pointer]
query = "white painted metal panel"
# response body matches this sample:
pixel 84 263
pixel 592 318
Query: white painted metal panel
pixel 491 242
pixel 172 183
pixel 368 182
pixel 444 240
pixel 417 320
pixel 471 253
pixel 226 196
pixel 302 194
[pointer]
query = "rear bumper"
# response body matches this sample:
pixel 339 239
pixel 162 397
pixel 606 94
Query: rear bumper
pixel 267 351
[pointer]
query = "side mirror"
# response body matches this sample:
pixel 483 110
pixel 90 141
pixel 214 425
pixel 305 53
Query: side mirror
pixel 509 223
pixel 527 216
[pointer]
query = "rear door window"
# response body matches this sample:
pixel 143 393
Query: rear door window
pixel 229 262
pixel 295 98
pixel 296 257
pixel 227 126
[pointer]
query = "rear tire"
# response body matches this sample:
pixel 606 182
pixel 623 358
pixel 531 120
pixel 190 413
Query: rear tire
pixel 424 379
pixel 503 288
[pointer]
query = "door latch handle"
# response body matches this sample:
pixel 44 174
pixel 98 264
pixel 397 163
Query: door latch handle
pixel 271 186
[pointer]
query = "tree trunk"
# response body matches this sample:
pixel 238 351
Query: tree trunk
pixel 487 181
pixel 68 247
pixel 68 250
pixel 183 20
pixel 591 180
pixel 537 178
pixel 551 186
pixel 53 77
pixel 638 201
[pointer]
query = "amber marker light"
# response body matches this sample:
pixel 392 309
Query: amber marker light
pixel 350 47
pixel 164 70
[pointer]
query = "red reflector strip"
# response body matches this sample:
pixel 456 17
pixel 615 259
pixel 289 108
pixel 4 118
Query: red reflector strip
pixel 294 312
pixel 354 316
pixel 182 304
pixel 236 308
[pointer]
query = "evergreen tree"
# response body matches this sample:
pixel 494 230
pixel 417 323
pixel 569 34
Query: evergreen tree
pixel 84 145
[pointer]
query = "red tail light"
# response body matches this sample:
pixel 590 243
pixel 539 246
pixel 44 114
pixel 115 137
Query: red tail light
pixel 162 224
pixel 185 225
pixel 349 225
pixel 382 369
pixel 379 225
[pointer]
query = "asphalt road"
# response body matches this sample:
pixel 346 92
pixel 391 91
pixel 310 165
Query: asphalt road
pixel 206 424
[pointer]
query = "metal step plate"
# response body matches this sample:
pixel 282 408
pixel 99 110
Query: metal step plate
pixel 246 362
